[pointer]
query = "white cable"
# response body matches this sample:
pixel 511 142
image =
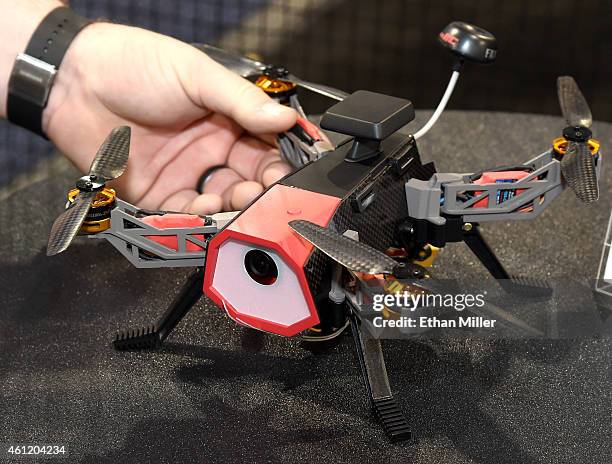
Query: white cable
pixel 445 98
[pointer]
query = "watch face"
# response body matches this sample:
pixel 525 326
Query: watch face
pixel 32 79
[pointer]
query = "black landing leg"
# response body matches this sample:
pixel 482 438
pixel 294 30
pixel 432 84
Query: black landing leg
pixel 154 335
pixel 374 372
pixel 524 286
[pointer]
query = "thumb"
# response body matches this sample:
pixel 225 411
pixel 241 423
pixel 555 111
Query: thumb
pixel 216 88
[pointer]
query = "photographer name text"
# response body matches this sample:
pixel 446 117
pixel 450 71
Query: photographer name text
pixel 407 302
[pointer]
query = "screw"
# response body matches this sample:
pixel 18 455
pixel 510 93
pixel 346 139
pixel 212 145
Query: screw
pixel 467 226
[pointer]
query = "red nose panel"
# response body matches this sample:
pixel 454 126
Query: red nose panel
pixel 286 306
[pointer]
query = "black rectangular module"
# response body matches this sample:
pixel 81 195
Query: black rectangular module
pixel 332 175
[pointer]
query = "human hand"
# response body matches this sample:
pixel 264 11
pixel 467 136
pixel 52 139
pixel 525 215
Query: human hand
pixel 187 114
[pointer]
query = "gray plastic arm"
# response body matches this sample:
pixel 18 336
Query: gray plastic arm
pixel 131 236
pixel 456 194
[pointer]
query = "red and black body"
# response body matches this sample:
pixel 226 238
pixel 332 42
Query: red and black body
pixel 366 197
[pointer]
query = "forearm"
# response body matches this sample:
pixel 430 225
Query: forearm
pixel 18 22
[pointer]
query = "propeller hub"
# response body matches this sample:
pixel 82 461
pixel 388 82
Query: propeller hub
pixel 409 271
pixel 578 134
pixel 90 183
pixel 276 72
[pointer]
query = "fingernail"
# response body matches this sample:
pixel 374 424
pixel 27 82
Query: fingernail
pixel 275 109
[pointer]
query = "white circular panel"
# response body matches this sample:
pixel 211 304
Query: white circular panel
pixel 281 302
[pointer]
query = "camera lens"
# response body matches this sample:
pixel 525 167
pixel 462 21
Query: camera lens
pixel 261 267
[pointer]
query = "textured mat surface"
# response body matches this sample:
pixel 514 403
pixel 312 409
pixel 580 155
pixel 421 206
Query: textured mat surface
pixel 219 393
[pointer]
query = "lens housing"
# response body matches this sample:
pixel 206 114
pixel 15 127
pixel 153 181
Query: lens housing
pixel 261 267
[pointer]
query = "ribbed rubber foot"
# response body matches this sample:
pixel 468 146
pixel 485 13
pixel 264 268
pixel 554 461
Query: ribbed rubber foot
pixel 528 287
pixel 392 420
pixel 137 339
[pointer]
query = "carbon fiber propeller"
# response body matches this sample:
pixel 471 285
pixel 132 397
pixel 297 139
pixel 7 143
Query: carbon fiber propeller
pixel 109 163
pixel 247 67
pixel 574 107
pixel 112 157
pixel 352 254
pixel 578 164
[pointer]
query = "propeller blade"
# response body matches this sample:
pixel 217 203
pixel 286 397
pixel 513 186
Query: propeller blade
pixel 353 255
pixel 239 64
pixel 574 106
pixel 112 157
pixel 247 67
pixel 578 169
pixel 68 224
pixel 324 90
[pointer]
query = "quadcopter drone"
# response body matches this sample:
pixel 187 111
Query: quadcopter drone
pixel 291 263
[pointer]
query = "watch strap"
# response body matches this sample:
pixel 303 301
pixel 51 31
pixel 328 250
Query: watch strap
pixel 54 35
pixel 49 44
pixel 25 113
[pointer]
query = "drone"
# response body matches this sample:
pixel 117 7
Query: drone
pixel 293 261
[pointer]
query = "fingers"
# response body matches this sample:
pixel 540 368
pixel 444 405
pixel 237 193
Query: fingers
pixel 188 201
pixel 274 172
pixel 205 203
pixel 250 165
pixel 234 191
pixel 182 160
pixel 254 160
pixel 214 87
pixel 179 201
pixel 228 189
pixel 225 190
pixel 236 197
pixel 240 195
pixel 270 139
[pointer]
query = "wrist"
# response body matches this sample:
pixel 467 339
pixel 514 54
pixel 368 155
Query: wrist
pixel 18 23
pixel 72 81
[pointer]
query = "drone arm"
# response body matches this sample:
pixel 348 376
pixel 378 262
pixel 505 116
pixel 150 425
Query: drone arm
pixel 145 245
pixel 511 193
pixel 448 208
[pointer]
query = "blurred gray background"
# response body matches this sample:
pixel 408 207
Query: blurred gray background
pixel 387 46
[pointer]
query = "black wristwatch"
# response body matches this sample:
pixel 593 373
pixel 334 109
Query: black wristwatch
pixel 34 71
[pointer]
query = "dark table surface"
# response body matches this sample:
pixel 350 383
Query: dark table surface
pixel 217 393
